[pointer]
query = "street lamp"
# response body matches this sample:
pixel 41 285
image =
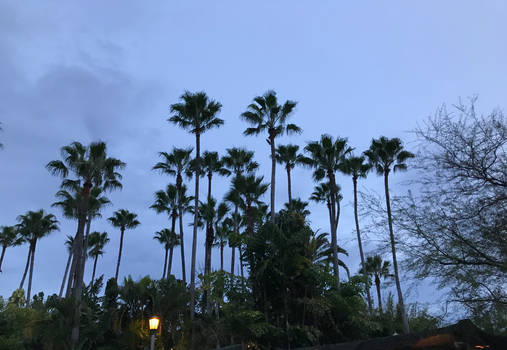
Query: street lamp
pixel 154 322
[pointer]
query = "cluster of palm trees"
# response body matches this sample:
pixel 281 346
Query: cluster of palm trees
pixel 88 173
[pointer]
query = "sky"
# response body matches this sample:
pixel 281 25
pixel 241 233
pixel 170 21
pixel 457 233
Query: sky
pixel 95 70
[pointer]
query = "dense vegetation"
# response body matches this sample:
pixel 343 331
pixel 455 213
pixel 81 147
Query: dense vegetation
pixel 289 291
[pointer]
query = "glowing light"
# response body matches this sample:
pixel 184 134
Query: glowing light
pixel 154 322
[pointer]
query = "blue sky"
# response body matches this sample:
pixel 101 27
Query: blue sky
pixel 108 71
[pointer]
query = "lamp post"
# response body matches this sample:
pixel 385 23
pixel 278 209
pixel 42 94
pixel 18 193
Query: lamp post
pixel 154 322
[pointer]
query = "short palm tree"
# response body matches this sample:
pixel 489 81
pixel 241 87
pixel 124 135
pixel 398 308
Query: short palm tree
pixel 266 115
pixel 385 155
pixel 326 157
pixel 238 161
pixel 377 268
pixel 9 237
pixel 92 168
pixel 247 190
pixel 298 206
pixel 96 243
pixel 177 164
pixel 169 239
pixel 123 219
pixel 357 168
pixel 196 113
pixel 35 225
pixel 288 156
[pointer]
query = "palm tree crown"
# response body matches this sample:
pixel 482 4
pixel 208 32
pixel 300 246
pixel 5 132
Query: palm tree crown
pixel 385 153
pixel 124 219
pixel 288 155
pixel 239 160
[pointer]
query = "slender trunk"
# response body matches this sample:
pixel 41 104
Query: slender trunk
pixel 233 255
pixel 171 251
pixel 359 242
pixel 334 225
pixel 94 268
pixel 70 278
pixel 406 328
pixel 209 235
pixel 174 217
pixel 26 268
pixel 182 242
pixel 241 261
pixel 273 171
pixel 194 236
pixel 119 254
pixel 221 256
pixel 377 284
pixel 85 243
pixel 4 248
pixel 30 276
pixel 289 187
pixel 165 263
pixel 250 219
pixel 65 274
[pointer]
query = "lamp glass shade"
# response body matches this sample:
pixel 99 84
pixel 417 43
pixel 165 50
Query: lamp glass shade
pixel 154 321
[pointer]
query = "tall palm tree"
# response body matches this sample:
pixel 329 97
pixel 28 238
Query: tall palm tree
pixel 170 240
pixel 356 167
pixel 123 219
pixel 385 155
pixel 35 225
pixel 288 156
pixel 326 157
pixel 97 242
pixel 69 243
pixel 247 190
pixel 93 168
pixel 177 163
pixel 9 237
pixel 377 268
pixel 238 161
pixel 196 113
pixel 265 114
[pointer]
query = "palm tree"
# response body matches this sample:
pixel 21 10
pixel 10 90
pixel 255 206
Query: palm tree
pixel 92 168
pixel 265 114
pixel 170 240
pixel 177 163
pixel 35 225
pixel 288 156
pixel 356 167
pixel 385 154
pixel 123 219
pixel 238 161
pixel 9 237
pixel 297 206
pixel 326 157
pixel 69 243
pixel 377 268
pixel 247 190
pixel 198 114
pixel 167 201
pixel 97 242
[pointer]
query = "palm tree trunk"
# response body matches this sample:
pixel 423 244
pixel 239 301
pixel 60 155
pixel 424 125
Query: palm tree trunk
pixel 209 238
pixel 30 275
pixel 119 254
pixel 4 248
pixel 70 278
pixel 165 263
pixel 377 284
pixel 85 243
pixel 368 295
pixel 94 268
pixel 289 187
pixel 241 262
pixel 273 171
pixel 233 255
pixel 221 256
pixel 170 261
pixel 194 237
pixel 406 328
pixel 334 225
pixel 26 268
pixel 182 241
pixel 65 274
pixel 250 219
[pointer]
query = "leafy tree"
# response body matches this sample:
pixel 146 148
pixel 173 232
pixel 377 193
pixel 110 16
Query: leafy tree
pixel 33 226
pixel 265 114
pixel 326 157
pixel 357 168
pixel 93 168
pixel 196 113
pixel 177 163
pixel 374 266
pixel 385 155
pixel 123 219
pixel 9 237
pixel 97 242
pixel 238 161
pixel 288 156
pixel 170 240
